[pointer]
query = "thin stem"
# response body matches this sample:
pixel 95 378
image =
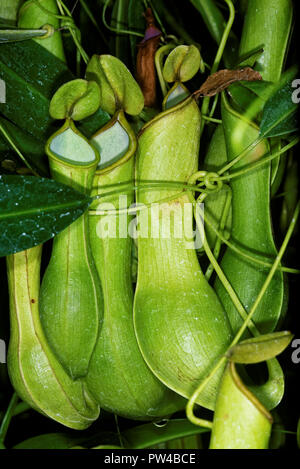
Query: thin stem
pixel 200 422
pixel 222 360
pixel 7 418
pixel 77 42
pixel 192 401
pixel 225 35
pixel 211 119
pixel 214 105
pixel 147 185
pixel 74 6
pixel 118 431
pixel 60 7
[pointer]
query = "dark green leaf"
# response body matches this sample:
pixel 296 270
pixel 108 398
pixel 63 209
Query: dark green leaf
pixel 244 93
pixel 33 210
pixel 147 435
pixel 279 113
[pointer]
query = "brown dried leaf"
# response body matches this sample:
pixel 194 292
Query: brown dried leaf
pixel 220 80
pixel 145 66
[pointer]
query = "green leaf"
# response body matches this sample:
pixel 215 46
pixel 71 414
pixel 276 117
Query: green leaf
pixel 147 435
pixel 259 349
pixel 33 210
pixel 279 113
pixel 215 23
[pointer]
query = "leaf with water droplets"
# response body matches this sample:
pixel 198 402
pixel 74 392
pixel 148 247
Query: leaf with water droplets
pixel 33 210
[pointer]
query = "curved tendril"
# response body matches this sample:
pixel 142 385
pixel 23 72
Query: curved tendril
pixel 222 360
pixel 214 105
